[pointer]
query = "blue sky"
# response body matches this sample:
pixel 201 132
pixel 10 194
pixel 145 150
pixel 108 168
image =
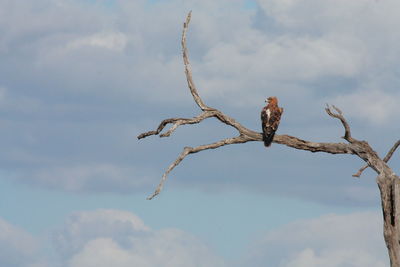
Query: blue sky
pixel 79 80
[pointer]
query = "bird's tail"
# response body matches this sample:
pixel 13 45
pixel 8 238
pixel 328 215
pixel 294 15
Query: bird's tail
pixel 268 139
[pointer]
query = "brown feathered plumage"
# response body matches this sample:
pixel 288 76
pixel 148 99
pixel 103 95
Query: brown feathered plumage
pixel 270 118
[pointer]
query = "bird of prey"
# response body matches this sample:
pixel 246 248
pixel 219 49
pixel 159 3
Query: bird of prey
pixel 270 118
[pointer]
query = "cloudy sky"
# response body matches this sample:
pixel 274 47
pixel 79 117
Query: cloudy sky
pixel 80 79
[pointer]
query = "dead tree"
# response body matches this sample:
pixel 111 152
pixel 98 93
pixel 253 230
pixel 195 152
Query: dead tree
pixel 388 182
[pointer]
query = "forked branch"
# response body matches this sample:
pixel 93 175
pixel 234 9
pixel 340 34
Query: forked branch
pixel 385 159
pixel 339 115
pixel 176 123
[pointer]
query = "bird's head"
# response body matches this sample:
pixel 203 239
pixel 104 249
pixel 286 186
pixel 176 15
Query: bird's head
pixel 271 99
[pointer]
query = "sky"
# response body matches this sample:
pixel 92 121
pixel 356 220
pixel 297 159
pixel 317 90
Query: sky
pixel 80 79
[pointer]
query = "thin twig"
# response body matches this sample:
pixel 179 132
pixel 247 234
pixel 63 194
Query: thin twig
pixel 190 150
pixel 339 115
pixel 385 159
pixel 176 122
pixel 160 127
pixel 358 174
pixel 188 71
pixel 391 151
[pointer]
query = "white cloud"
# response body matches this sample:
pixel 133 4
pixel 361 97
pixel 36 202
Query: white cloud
pixel 332 15
pixel 296 44
pixel 331 240
pixel 99 177
pixel 373 106
pixel 104 252
pixel 82 227
pixel 112 41
pixel 282 59
pixel 117 238
pixel 365 29
pixel 17 247
pixel 103 238
pixel 308 258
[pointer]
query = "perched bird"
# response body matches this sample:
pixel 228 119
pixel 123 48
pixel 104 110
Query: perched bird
pixel 270 118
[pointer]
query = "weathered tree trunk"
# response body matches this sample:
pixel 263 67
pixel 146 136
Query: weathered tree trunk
pixel 389 186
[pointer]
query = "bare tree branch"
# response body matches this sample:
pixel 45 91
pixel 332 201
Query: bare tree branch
pixel 339 115
pixel 204 115
pixel 291 141
pixel 176 123
pixel 190 150
pixel 360 171
pixel 160 127
pixel 391 151
pixel 188 70
pixel 297 143
pixel 385 159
